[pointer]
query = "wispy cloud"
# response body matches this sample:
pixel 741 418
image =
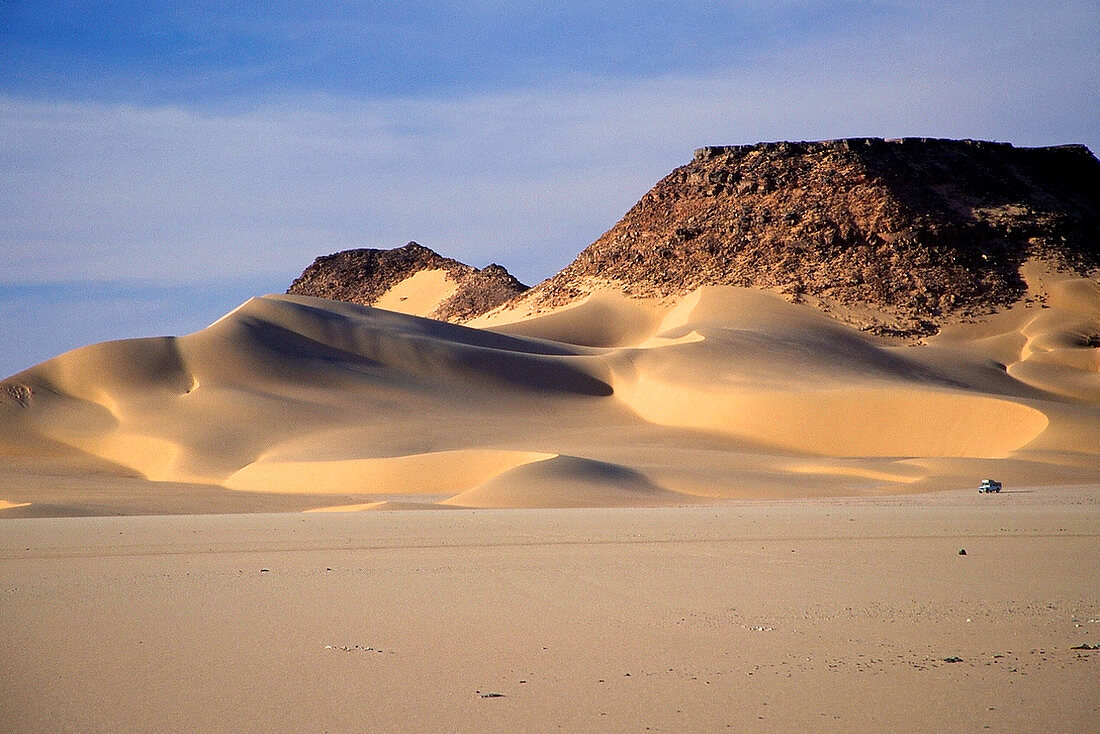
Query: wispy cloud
pixel 525 175
pixel 186 52
pixel 93 190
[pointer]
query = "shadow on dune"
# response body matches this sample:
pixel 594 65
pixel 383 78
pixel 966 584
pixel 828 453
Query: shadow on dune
pixel 568 481
pixel 361 338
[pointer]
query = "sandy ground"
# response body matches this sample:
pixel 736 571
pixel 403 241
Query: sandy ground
pixel 782 615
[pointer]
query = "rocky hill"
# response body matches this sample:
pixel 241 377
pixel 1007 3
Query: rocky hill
pixel 364 276
pixel 895 236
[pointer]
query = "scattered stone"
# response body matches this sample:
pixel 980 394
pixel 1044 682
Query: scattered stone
pixel 962 551
pixel 953 659
pixel 16 393
pixel 1086 646
pixel 490 695
pixel 352 648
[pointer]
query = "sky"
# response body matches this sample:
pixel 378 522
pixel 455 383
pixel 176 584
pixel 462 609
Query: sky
pixel 162 162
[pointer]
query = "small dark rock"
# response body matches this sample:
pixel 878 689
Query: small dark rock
pixel 953 659
pixel 962 551
pixel 1086 646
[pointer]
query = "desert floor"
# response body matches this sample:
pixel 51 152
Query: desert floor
pixel 851 614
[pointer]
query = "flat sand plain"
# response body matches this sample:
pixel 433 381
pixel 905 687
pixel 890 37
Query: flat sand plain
pixel 821 614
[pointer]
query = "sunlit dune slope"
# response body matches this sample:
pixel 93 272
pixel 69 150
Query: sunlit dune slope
pixel 726 392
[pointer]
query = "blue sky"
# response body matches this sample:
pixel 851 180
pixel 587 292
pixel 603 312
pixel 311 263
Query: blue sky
pixel 162 162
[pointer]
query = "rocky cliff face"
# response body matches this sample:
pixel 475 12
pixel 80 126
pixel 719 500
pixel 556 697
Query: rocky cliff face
pixel 920 231
pixel 363 276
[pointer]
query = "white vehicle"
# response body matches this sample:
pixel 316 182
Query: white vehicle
pixel 989 485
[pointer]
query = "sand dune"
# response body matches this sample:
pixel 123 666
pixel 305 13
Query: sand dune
pixel 723 393
pixel 438 472
pixel 567 481
pixel 603 319
pixel 421 293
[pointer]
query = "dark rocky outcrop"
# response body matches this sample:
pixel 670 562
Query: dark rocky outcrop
pixel 364 275
pixel 480 292
pixel 919 230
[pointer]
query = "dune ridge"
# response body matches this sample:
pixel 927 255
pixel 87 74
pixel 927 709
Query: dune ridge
pixel 726 392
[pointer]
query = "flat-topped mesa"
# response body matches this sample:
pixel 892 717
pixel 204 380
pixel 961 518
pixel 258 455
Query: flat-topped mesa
pixel 366 276
pixel 895 236
pixel 850 144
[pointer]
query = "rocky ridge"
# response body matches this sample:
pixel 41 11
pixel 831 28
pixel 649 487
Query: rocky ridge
pixel 364 275
pixel 894 236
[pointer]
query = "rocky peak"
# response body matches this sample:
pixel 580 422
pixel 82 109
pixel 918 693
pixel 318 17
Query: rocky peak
pixel 921 231
pixel 363 276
